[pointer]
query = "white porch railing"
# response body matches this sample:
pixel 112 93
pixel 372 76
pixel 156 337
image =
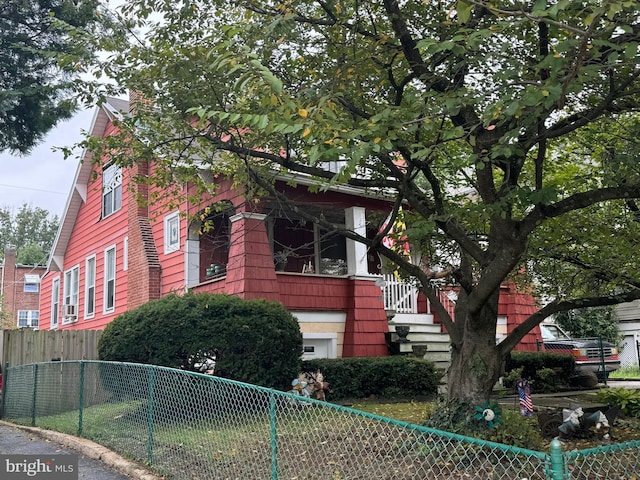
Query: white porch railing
pixel 399 296
pixel 402 297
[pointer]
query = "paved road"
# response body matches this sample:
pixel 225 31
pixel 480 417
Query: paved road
pixel 94 461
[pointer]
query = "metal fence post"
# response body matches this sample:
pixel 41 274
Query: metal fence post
pixel 602 364
pixel 4 388
pixel 152 377
pixel 274 438
pixel 81 406
pixel 34 397
pixel 557 460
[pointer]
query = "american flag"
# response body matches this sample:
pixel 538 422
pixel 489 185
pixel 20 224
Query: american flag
pixel 524 392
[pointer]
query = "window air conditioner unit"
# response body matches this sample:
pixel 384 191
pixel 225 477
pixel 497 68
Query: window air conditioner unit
pixel 69 311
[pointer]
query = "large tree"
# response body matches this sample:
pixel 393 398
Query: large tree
pixel 31 230
pixel 505 130
pixel 41 54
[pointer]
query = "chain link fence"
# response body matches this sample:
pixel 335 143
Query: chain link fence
pixel 191 426
pixel 630 354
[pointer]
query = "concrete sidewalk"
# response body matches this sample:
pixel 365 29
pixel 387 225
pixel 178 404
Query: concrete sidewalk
pixel 95 462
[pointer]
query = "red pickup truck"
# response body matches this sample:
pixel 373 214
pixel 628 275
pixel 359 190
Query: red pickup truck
pixel 592 354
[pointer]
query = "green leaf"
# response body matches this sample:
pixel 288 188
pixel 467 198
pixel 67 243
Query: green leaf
pixel 463 11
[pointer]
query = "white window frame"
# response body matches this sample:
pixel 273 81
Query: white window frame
pixel 111 189
pixel 55 302
pixel 29 316
pixel 90 286
pixel 31 283
pixel 171 233
pixel 71 290
pixel 109 304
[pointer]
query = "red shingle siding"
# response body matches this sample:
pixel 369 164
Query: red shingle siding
pixel 305 292
pixel 91 235
pixel 250 271
pixel 366 322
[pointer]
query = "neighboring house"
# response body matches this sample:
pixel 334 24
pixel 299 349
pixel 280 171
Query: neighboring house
pixel 19 291
pixel 629 327
pixel 113 253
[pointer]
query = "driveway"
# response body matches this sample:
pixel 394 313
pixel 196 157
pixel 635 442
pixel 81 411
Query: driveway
pixel 629 384
pixel 95 462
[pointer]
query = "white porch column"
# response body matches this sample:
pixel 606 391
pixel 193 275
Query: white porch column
pixel 355 220
pixel 192 262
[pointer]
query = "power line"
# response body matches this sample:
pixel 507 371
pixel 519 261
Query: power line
pixel 32 189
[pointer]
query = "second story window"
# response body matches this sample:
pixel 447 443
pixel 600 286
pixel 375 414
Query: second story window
pixel 111 190
pixel 31 283
pixel 109 279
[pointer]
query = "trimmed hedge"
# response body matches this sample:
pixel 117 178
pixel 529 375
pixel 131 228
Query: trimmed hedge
pixel 383 377
pixel 535 363
pixel 253 341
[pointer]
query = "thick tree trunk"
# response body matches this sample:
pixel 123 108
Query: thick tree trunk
pixel 475 362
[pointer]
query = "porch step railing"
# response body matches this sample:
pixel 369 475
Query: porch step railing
pixel 399 296
pixel 402 296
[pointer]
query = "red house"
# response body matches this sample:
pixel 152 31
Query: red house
pixel 113 253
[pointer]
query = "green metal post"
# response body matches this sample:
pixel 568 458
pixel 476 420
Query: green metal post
pixel 557 460
pixel 34 398
pixel 274 439
pixel 602 364
pixel 152 378
pixel 81 406
pixel 4 388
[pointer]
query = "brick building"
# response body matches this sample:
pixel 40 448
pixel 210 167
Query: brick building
pixel 19 291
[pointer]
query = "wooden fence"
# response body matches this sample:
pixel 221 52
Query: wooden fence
pixel 20 347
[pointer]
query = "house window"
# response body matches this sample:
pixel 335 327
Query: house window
pixel 55 302
pixel 109 279
pixel 28 318
pixel 70 296
pixel 303 247
pixel 111 190
pixel 172 232
pixel 31 283
pixel 332 254
pixel 90 287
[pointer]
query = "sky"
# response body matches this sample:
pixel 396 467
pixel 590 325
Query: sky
pixel 43 178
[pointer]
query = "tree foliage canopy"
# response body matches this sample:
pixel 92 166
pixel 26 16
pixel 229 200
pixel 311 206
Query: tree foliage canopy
pixel 31 230
pixel 507 130
pixel 41 52
pixel 591 322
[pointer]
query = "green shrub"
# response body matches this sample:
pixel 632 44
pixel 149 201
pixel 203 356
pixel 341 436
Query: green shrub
pixel 513 429
pixel 253 341
pixel 545 370
pixel 516 430
pixel 627 400
pixel 383 377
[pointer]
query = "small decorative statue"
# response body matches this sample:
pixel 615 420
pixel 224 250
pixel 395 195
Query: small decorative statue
pixel 576 422
pixel 308 384
pixel 320 386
